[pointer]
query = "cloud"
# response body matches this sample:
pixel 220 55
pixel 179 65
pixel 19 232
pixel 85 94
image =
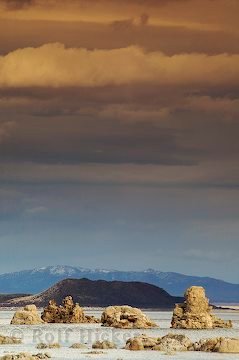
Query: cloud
pixel 45 3
pixel 130 114
pixel 53 65
pixel 225 107
pixel 209 255
pixel 210 174
pixel 17 4
pixel 5 129
pixel 222 107
pixel 140 21
pixel 38 210
pixel 191 14
pixel 143 124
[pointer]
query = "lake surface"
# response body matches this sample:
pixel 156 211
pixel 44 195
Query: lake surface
pixel 66 335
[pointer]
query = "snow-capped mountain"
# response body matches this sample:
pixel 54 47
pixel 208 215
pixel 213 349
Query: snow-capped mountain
pixel 65 270
pixel 36 280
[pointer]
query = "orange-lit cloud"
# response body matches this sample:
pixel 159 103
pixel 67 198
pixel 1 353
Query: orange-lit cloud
pixel 54 65
pixel 220 14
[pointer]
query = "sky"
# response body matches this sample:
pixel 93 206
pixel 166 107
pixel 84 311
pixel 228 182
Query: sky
pixel 119 125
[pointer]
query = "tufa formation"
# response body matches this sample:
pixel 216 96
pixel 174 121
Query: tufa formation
pixel 195 312
pixel 126 317
pixel 67 313
pixel 27 316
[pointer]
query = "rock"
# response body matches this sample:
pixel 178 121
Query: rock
pixel 27 316
pixel 142 342
pixel 68 312
pixel 25 356
pixel 207 345
pixel 91 320
pixel 195 312
pixel 168 343
pixel 126 317
pixel 78 346
pixel 48 346
pixel 173 342
pixel 227 345
pixel 104 345
pixel 220 345
pixel 135 344
pixel 9 340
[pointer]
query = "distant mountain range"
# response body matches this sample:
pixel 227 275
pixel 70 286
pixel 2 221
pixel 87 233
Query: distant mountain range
pixel 36 280
pixel 102 293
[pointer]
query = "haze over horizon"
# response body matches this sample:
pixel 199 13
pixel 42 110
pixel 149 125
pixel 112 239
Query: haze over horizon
pixel 119 126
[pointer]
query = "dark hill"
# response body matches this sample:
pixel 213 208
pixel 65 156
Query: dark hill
pixel 103 293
